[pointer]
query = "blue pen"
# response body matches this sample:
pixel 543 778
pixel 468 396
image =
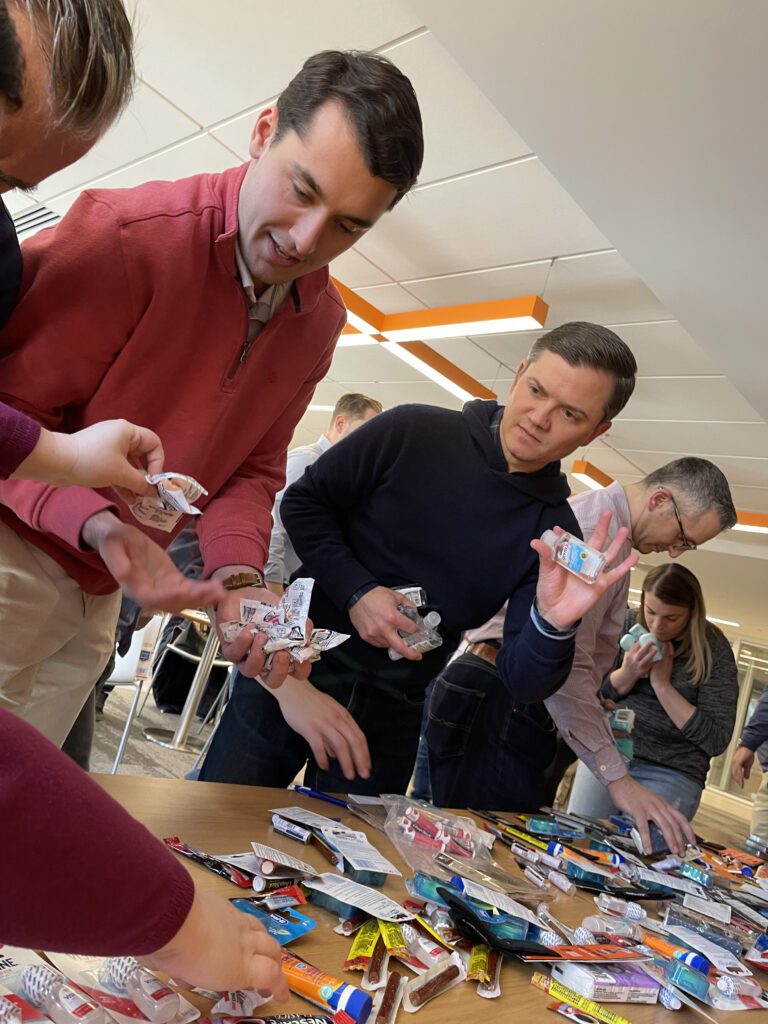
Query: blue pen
pixel 306 791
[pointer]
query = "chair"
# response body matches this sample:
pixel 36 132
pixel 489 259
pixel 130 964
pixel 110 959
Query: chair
pixel 132 669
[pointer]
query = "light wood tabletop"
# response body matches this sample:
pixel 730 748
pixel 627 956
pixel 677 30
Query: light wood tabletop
pixel 226 819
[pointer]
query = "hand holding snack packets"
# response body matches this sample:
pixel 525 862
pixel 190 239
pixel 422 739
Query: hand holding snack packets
pixel 285 624
pixel 175 495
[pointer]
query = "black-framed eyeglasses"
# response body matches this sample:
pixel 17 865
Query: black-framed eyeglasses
pixel 685 544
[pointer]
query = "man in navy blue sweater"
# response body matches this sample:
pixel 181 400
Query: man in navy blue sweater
pixel 448 501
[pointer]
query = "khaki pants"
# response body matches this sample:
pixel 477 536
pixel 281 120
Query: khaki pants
pixel 56 639
pixel 760 808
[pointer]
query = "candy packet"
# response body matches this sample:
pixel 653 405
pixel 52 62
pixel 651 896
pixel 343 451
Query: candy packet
pixel 285 624
pixel 175 496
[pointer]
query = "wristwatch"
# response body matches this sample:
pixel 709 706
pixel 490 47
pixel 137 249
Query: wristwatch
pixel 241 580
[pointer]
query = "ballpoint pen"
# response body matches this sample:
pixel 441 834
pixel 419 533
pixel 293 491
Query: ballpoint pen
pixel 307 791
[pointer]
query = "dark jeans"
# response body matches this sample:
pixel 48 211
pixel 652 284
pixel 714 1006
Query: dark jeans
pixel 254 746
pixel 485 750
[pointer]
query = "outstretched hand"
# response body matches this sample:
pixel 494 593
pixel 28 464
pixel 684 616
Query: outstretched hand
pixel 143 570
pixel 562 598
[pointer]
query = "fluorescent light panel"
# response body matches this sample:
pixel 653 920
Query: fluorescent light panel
pixel 427 370
pixel 499 316
pixel 461 330
pixel 590 475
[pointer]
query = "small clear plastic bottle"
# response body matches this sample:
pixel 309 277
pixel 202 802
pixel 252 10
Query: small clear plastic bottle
pixel 154 998
pixel 614 905
pixel 574 555
pixel 48 990
pixel 426 638
pixel 10 1013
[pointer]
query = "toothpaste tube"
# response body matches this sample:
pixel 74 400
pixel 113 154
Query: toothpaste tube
pixel 324 990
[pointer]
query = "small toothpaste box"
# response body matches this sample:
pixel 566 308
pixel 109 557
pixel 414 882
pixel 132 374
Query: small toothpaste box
pixel 608 984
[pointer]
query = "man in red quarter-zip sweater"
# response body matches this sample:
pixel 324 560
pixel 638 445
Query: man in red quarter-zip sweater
pixel 202 308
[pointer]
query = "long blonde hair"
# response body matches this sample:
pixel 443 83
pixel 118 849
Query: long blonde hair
pixel 674 584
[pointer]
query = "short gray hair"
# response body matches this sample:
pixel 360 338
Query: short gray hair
pixel 88 45
pixel 697 485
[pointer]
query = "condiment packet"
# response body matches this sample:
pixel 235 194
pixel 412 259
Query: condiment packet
pixel 285 624
pixel 175 496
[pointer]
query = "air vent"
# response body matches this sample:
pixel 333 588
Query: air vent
pixel 31 221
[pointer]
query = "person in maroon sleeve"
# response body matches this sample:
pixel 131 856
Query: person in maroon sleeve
pixel 82 876
pixel 113 888
pixel 56 100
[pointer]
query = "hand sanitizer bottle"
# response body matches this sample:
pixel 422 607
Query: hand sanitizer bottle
pixel 154 998
pixel 574 555
pixel 426 638
pixel 48 990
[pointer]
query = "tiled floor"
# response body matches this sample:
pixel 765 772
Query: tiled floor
pixel 141 756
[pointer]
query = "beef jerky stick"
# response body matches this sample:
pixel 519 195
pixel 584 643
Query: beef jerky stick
pixel 390 999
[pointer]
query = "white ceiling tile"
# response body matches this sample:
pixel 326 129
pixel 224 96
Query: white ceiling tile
pixel 485 285
pixel 470 358
pixel 750 499
pixel 213 65
pixel 600 288
pixel 509 349
pixel 663 348
pixel 688 398
pixel 303 433
pixel 462 129
pixel 509 215
pixel 19 202
pixel 236 134
pixel 364 364
pixel 355 271
pixel 611 462
pixel 390 298
pixel 738 471
pixel 695 438
pixel 148 125
pixel 328 392
pixel 500 386
pixel 200 155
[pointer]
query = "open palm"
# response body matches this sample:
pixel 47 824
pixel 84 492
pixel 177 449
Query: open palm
pixel 562 597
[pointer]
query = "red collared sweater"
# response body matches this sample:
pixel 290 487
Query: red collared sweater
pixel 131 307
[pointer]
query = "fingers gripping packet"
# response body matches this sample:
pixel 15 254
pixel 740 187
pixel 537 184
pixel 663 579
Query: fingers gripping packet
pixel 426 638
pixel 175 496
pixel 285 624
pixel 574 555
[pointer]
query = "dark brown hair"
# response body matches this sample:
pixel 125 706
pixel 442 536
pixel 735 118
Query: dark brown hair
pixel 583 344
pixel 377 98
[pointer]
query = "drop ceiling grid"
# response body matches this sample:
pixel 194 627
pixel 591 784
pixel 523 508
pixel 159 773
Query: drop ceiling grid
pixel 219 66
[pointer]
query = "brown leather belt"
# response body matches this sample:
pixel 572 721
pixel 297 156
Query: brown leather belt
pixel 483 650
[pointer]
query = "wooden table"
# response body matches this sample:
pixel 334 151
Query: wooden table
pixel 221 818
